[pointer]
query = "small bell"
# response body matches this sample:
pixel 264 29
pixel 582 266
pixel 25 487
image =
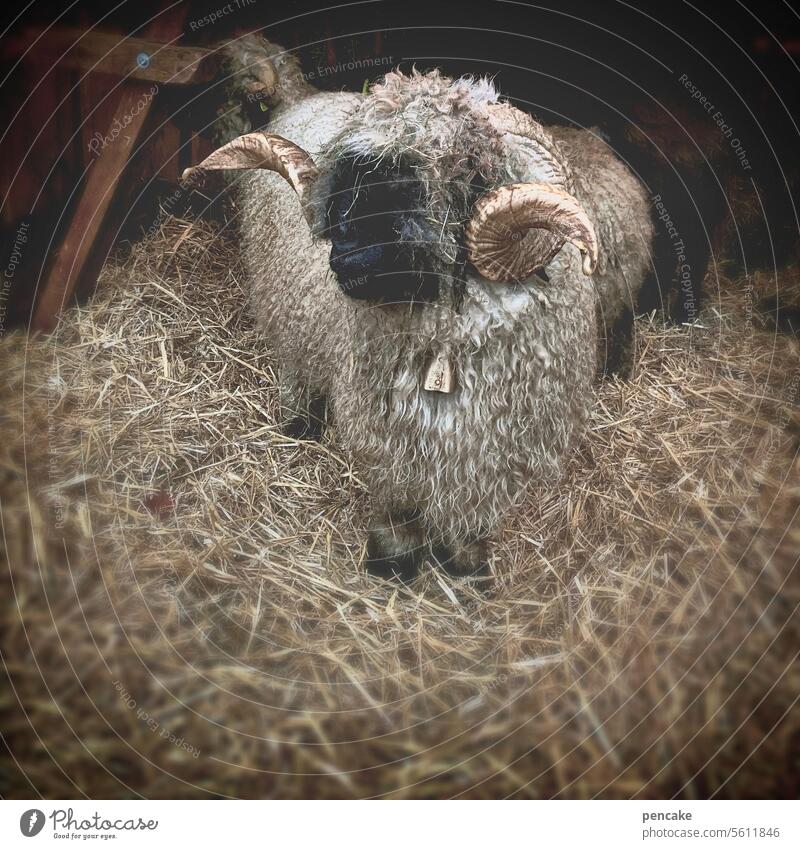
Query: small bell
pixel 439 374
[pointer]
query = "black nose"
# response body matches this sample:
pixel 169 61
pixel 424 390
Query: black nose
pixel 374 224
pixel 349 259
pixel 380 272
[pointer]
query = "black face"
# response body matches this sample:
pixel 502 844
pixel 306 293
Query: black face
pixel 379 236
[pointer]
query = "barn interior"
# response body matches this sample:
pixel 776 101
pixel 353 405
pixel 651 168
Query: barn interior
pixel 186 611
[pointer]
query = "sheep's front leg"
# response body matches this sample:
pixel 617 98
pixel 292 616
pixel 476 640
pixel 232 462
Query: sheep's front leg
pixel 304 412
pixel 463 558
pixel 396 547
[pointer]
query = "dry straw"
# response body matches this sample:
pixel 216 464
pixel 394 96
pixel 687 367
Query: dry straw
pixel 187 614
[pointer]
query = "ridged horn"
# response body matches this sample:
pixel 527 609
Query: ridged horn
pixel 517 229
pixel 265 151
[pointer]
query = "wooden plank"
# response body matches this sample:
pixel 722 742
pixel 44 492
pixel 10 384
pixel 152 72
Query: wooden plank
pixel 103 177
pixel 97 108
pixel 81 246
pixel 25 160
pixel 107 53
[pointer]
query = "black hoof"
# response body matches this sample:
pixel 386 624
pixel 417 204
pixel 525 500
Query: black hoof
pixel 470 562
pixel 619 364
pixel 389 565
pixel 678 316
pixel 404 568
pixel 310 425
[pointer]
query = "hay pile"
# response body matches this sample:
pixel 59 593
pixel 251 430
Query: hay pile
pixel 186 614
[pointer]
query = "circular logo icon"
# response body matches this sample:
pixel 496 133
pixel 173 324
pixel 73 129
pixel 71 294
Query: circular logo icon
pixel 143 60
pixel 31 822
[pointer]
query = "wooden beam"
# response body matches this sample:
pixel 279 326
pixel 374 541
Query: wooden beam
pixel 107 53
pixel 82 245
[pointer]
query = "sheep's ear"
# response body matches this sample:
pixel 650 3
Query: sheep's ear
pixel 264 151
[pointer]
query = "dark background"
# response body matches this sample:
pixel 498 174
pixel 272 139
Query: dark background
pixel 570 60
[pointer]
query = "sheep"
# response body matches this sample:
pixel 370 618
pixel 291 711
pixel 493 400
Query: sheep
pixel 431 292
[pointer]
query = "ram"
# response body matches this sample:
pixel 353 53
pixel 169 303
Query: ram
pixel 442 275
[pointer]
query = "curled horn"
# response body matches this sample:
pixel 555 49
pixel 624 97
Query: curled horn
pixel 499 243
pixel 260 150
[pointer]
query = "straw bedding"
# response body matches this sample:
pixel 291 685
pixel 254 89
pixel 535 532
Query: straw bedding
pixel 186 613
